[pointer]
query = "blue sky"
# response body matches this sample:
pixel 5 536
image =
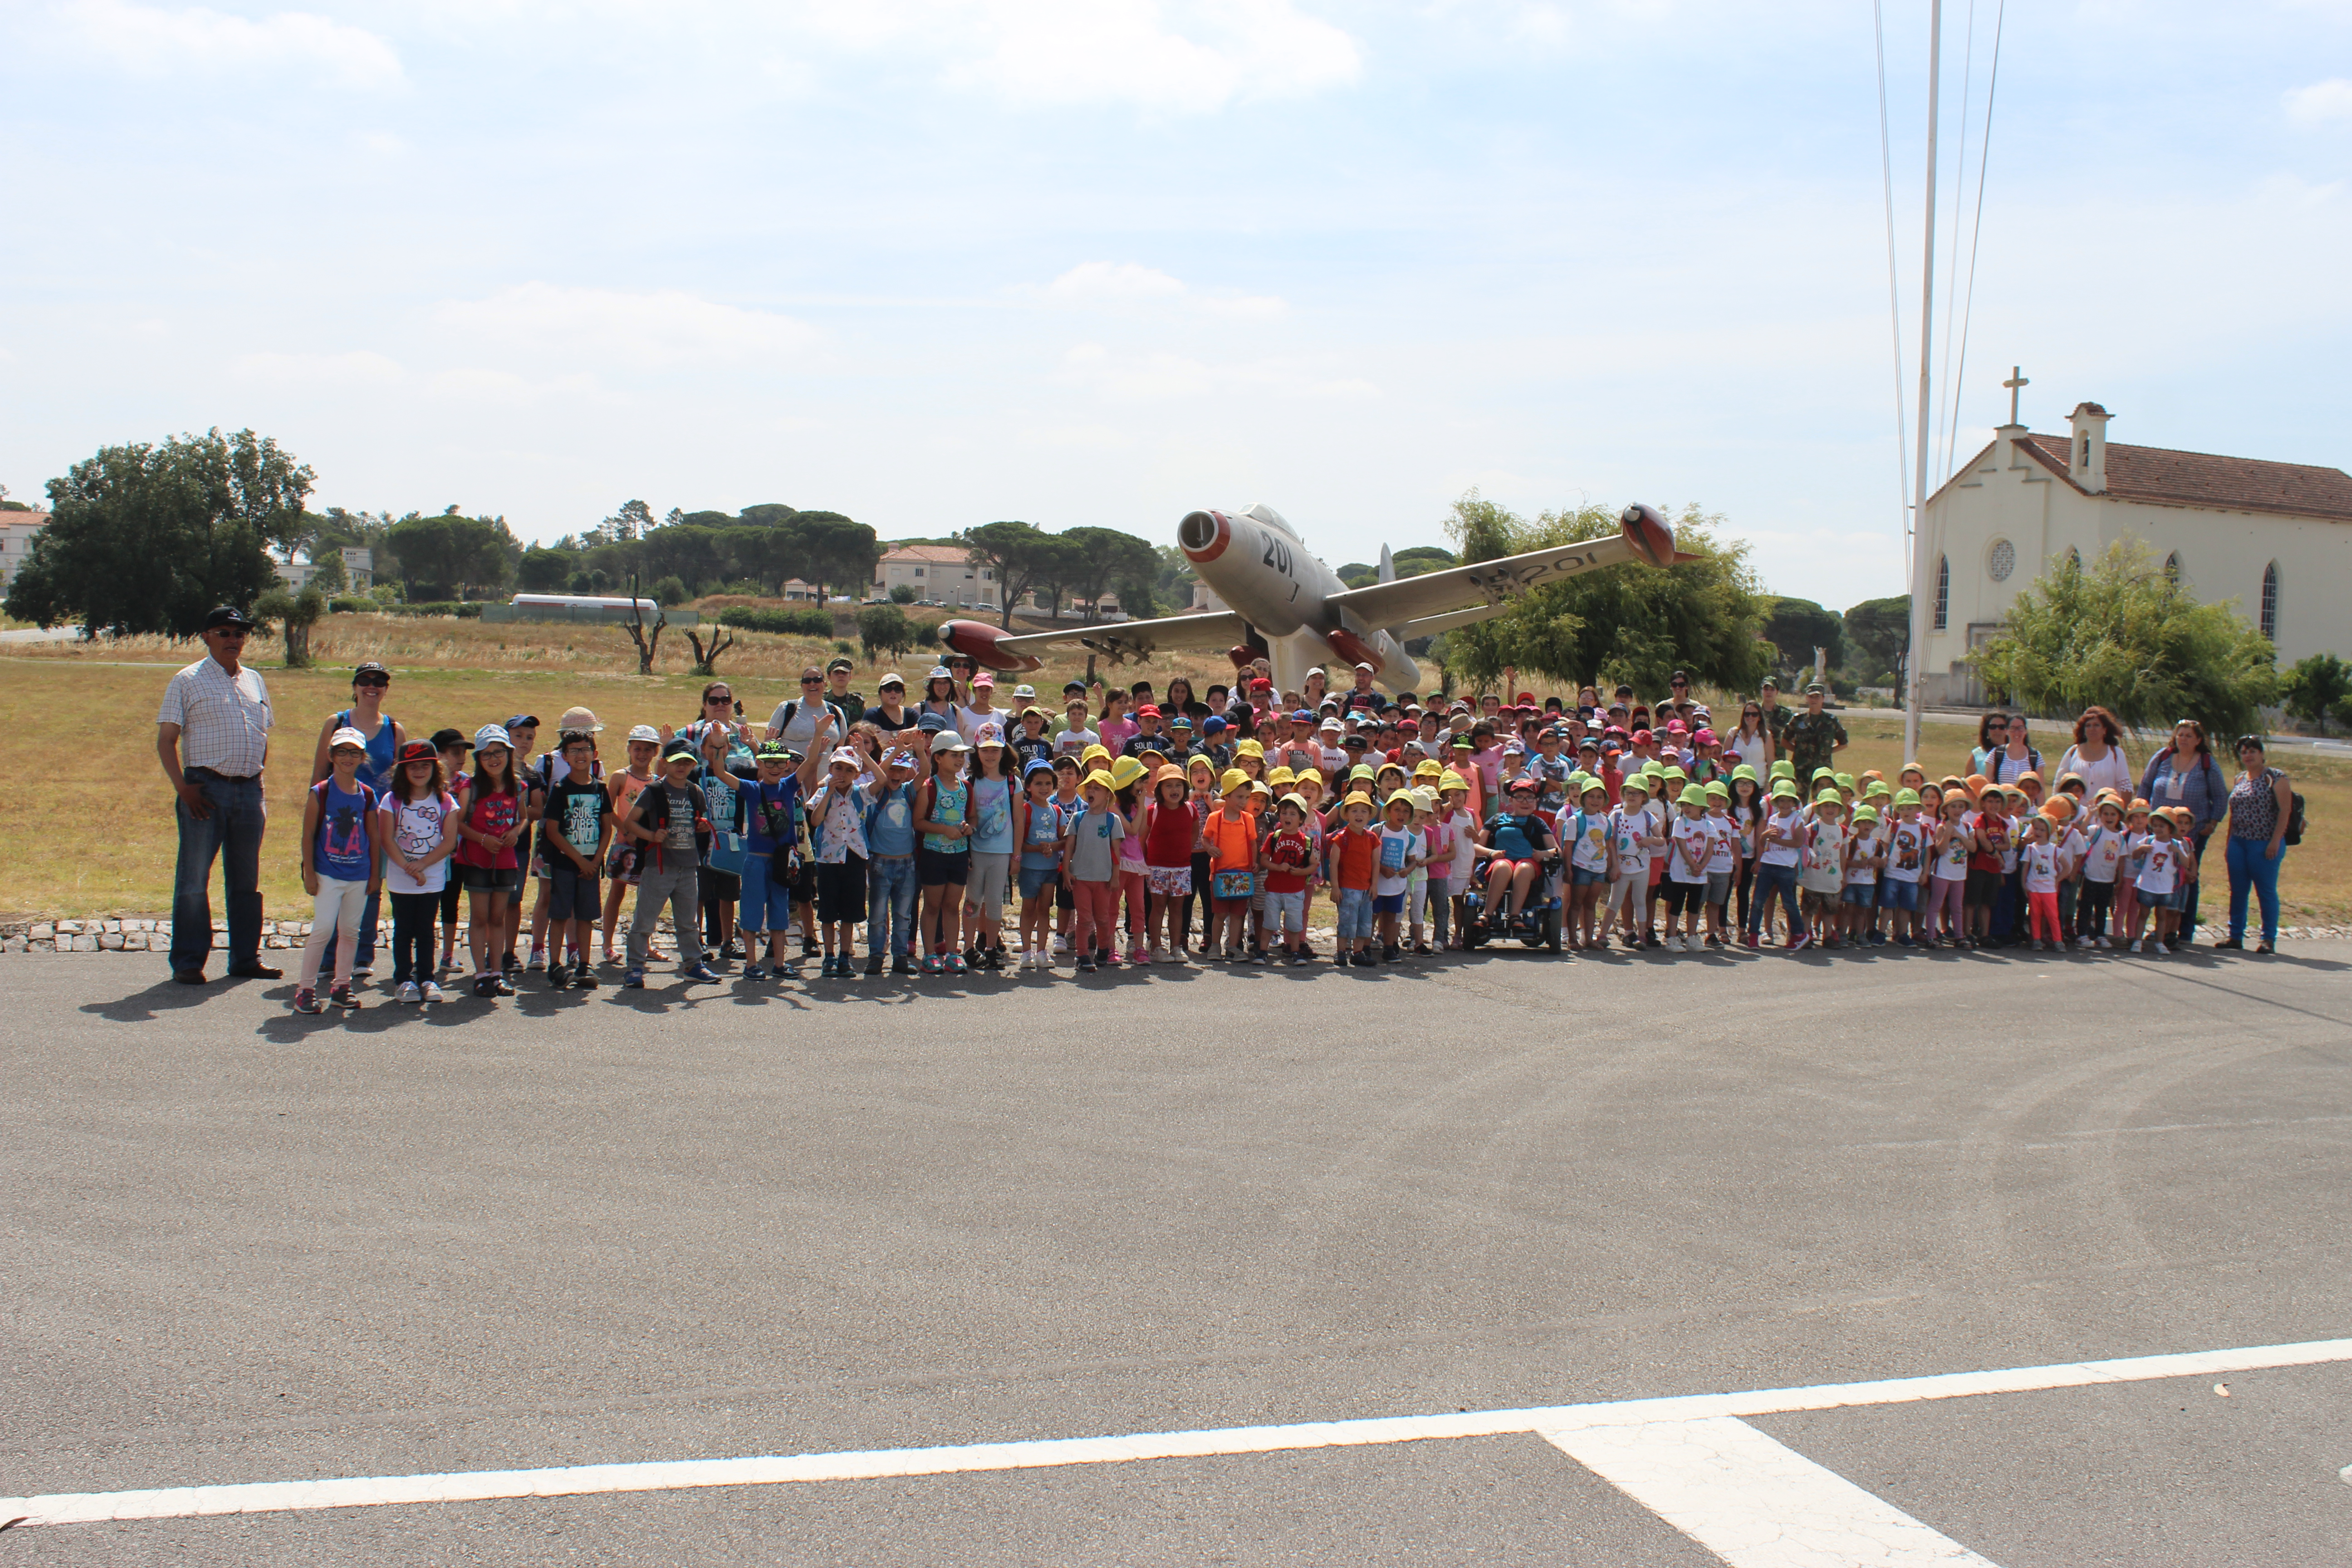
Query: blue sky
pixel 937 262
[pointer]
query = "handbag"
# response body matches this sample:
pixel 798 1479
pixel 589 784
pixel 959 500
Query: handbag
pixel 1232 885
pixel 727 852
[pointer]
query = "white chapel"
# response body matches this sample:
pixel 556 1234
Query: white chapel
pixel 2274 537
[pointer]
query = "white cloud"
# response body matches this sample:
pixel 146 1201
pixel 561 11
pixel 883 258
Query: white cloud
pixel 1163 377
pixel 1110 285
pixel 1186 55
pixel 357 368
pixel 2321 102
pixel 153 41
pixel 667 327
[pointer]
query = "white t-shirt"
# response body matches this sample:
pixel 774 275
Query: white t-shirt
pixel 1952 860
pixel 968 722
pixel 1859 871
pixel 1397 845
pixel 415 827
pixel 1626 831
pixel 1788 854
pixel 1589 847
pixel 2160 871
pixel 1757 753
pixel 1068 743
pixel 1824 869
pixel 2101 854
pixel 1724 858
pixel 2041 864
pixel 1691 840
pixel 1907 851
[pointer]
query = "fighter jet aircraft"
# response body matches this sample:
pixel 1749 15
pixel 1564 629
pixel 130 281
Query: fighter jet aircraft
pixel 1287 604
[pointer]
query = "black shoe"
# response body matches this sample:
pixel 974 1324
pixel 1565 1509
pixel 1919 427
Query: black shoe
pixel 2229 944
pixel 584 979
pixel 902 965
pixel 558 978
pixel 189 976
pixel 874 963
pixel 255 972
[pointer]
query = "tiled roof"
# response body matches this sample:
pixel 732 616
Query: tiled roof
pixel 2203 478
pixel 23 518
pixel 930 552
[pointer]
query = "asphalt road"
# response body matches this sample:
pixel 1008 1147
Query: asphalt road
pixel 245 1245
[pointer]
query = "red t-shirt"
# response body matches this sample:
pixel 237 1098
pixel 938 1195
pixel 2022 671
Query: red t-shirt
pixel 1359 848
pixel 486 813
pixel 1168 841
pixel 1287 857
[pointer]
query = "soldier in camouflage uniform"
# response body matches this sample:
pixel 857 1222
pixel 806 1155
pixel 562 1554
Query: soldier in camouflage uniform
pixel 1809 737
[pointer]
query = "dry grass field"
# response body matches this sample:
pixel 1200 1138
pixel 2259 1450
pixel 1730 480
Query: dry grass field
pixel 102 841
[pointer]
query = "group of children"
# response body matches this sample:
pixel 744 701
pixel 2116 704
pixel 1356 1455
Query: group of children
pixel 908 828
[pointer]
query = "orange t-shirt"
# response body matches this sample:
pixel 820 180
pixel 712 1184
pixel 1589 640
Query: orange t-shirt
pixel 1357 852
pixel 1232 841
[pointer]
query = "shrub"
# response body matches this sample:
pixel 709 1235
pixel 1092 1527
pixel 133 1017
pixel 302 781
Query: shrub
pixel 669 591
pixel 904 594
pixel 780 623
pixel 348 606
pixel 468 610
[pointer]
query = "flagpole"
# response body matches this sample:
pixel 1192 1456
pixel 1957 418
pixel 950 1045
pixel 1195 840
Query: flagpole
pixel 1922 584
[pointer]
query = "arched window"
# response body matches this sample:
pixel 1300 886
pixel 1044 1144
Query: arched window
pixel 1943 592
pixel 2269 600
pixel 2172 568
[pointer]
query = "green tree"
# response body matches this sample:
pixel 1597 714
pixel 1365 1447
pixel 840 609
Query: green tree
pixel 1797 626
pixel 295 615
pixel 148 538
pixel 1630 622
pixel 885 628
pixel 2122 633
pixel 1013 551
pixel 447 554
pixel 326 572
pixel 544 571
pixel 838 552
pixel 2315 688
pixel 904 594
pixel 669 592
pixel 1878 634
pixel 1102 557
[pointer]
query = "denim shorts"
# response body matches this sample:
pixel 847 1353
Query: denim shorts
pixel 2147 900
pixel 767 902
pixel 1580 877
pixel 1718 888
pixel 1861 895
pixel 1034 883
pixel 1355 912
pixel 1903 896
pixel 573 894
pixel 1286 912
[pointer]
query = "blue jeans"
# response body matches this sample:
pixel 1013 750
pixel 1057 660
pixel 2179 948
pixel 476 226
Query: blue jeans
pixel 1355 913
pixel 365 957
pixel 1771 881
pixel 891 906
pixel 2251 867
pixel 231 834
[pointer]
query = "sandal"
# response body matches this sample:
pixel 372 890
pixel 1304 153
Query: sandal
pixel 2262 947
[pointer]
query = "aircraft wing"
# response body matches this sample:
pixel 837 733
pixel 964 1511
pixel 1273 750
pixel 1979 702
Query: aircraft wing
pixel 1004 651
pixel 1488 587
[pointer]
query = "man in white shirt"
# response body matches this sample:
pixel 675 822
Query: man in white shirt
pixel 211 735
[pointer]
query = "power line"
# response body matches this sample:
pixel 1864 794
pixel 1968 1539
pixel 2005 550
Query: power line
pixel 1894 283
pixel 1984 163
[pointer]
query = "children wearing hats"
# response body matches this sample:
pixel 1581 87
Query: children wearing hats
pixel 2162 869
pixel 1285 861
pixel 577 822
pixel 1401 853
pixel 2037 865
pixel 2103 850
pixel 1633 840
pixel 944 859
pixel 1350 853
pixel 1690 844
pixel 1821 880
pixel 1782 840
pixel 1230 835
pixel 419 833
pixel 1907 847
pixel 620 866
pixel 1089 850
pixel 1865 857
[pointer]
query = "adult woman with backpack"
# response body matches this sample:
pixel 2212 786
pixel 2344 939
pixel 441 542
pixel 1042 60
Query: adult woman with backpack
pixel 2184 774
pixel 2261 809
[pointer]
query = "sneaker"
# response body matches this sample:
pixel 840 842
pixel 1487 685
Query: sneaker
pixel 1155 954
pixel 1106 958
pixel 1365 960
pixel 558 978
pixel 1061 942
pixel 538 960
pixel 700 974
pixel 1390 954
pixel 500 984
pixel 584 979
pixel 307 1001
pixel 1085 964
pixel 482 986
pixel 347 996
pixel 407 991
pixel 509 963
pixel 429 993
pixel 1339 960
pixel 873 963
pixel 755 971
pixel 933 965
pixel 902 965
pixel 635 979
pixel 1674 943
pixel 1260 957
pixel 2162 951
pixel 1751 941
pixel 2229 944
pixel 363 973
pixel 1139 956
pixel 1802 940
pixel 2135 946
pixel 956 966
pixel 2104 945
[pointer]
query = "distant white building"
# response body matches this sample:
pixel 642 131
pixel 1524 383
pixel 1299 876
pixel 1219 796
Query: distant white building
pixel 940 572
pixel 2277 538
pixel 359 571
pixel 18 532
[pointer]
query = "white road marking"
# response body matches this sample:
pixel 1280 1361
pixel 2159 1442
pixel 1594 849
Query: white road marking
pixel 571 1480
pixel 1754 1502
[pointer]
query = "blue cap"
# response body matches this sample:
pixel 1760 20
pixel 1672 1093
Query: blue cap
pixel 1036 765
pixel 1302 717
pixel 930 723
pixel 1212 724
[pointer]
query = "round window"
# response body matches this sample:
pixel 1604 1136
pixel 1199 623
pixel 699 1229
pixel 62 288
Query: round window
pixel 2003 560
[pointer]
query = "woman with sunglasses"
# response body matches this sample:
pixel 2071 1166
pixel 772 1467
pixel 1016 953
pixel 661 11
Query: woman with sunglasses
pixel 1751 743
pixel 720 713
pixel 369 682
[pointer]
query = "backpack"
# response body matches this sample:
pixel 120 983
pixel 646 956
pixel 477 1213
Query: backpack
pixel 2293 834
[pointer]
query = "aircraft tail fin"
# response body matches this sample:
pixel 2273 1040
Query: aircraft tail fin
pixel 1388 575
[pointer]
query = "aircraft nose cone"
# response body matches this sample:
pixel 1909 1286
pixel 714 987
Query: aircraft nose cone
pixel 1199 533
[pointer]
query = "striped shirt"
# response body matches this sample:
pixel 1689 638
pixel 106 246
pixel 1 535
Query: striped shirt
pixel 223 718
